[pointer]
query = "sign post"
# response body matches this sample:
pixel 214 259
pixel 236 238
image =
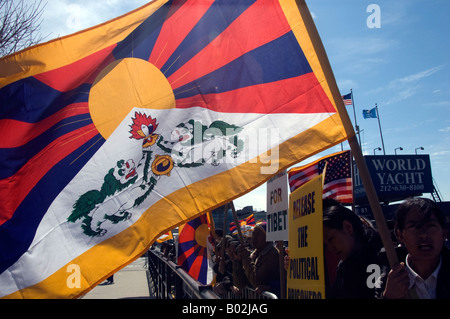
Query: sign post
pixel 306 273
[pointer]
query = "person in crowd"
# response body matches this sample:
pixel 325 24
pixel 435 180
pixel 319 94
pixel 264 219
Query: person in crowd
pixel 424 273
pixel 168 250
pixel 239 279
pixel 356 244
pixel 261 265
pixel 223 267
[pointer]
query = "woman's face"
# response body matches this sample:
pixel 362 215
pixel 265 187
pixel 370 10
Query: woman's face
pixel 340 241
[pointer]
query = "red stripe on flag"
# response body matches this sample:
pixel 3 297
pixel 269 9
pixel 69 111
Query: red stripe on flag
pixel 16 133
pixel 261 24
pixel 254 99
pixel 187 234
pixel 83 71
pixel 171 35
pixel 341 187
pixel 297 179
pixel 196 266
pixel 250 220
pixel 185 255
pixel 14 189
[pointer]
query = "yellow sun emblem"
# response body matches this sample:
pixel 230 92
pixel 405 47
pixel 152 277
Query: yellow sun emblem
pixel 125 84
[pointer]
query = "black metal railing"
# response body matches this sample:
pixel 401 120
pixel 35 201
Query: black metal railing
pixel 167 280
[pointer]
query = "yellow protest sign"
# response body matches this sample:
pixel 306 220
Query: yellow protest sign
pixel 306 276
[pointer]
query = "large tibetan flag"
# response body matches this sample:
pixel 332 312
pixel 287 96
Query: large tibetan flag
pixel 114 135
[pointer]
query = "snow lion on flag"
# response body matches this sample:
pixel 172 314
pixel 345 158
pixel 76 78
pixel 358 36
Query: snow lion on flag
pixel 218 141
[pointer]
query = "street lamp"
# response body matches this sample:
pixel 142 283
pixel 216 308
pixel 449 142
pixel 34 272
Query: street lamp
pixel 376 149
pixel 398 148
pixel 419 148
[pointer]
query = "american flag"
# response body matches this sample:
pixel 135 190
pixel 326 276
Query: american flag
pixel 347 99
pixel 338 178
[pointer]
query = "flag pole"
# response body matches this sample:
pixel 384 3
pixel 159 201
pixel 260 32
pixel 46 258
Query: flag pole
pixel 280 247
pixel 212 226
pixel 379 125
pixel 225 227
pixel 354 114
pixel 352 140
pixel 238 225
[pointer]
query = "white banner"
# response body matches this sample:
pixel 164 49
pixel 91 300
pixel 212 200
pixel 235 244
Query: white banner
pixel 277 208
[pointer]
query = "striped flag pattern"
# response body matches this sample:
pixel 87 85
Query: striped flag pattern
pixel 338 178
pixel 347 99
pixel 249 220
pixel 193 254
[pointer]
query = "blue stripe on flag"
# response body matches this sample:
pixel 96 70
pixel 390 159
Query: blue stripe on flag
pixel 276 60
pixel 13 159
pixel 19 231
pixel 218 17
pixel 29 100
pixel 140 42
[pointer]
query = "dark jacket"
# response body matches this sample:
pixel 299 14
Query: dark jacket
pixel 225 278
pixel 351 274
pixel 263 269
pixel 443 280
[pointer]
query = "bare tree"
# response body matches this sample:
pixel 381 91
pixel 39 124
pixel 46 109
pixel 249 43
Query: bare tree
pixel 19 25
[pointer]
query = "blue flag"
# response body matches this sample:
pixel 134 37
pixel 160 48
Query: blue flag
pixel 367 114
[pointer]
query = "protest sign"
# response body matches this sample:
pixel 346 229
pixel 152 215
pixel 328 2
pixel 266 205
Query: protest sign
pixel 306 276
pixel 277 208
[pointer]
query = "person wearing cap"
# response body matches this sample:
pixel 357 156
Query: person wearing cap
pixel 261 265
